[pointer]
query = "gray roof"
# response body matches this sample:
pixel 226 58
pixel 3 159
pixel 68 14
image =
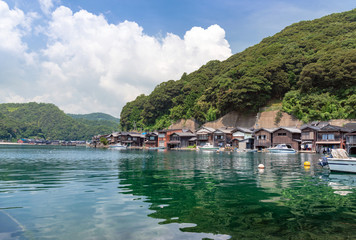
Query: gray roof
pixel 351 126
pixel 242 129
pixel 270 130
pixel 184 134
pixel 225 129
pixel 206 129
pixel 290 129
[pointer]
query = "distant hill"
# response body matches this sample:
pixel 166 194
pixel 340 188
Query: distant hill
pixel 43 120
pixel 310 66
pixel 95 117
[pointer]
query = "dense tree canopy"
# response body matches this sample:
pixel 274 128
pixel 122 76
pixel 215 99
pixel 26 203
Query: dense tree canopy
pixel 305 63
pixel 41 120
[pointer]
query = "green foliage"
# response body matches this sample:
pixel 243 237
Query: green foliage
pixel 310 64
pixel 278 118
pixel 104 141
pixel 41 120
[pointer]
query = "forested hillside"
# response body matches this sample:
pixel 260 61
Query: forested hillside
pixel 311 65
pixel 97 119
pixel 47 121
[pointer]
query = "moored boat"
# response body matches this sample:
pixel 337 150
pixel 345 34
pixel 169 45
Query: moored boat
pixel 208 147
pixel 117 146
pixel 281 148
pixel 339 161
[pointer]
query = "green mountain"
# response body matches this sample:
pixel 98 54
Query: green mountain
pixel 309 65
pixel 42 120
pixel 95 117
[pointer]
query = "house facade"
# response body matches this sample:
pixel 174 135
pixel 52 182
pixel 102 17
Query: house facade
pixel 180 139
pixel 205 135
pixel 151 140
pixel 222 137
pixel 131 139
pixel 164 136
pixel 288 136
pixel 263 138
pixel 350 142
pixel 242 138
pixel 308 138
pixel 330 137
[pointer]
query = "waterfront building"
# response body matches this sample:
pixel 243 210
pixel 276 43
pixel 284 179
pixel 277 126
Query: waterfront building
pixel 263 138
pixel 164 136
pixel 151 140
pixel 205 135
pixel 330 137
pixel 242 138
pixel 287 135
pixel 181 139
pixel 222 136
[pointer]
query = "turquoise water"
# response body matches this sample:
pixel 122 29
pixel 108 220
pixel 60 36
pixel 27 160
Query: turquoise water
pixel 79 193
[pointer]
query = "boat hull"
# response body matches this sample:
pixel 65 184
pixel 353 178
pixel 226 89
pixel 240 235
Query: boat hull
pixel 273 150
pixel 117 147
pixel 209 148
pixel 342 165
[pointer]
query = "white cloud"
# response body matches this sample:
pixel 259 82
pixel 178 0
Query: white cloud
pixel 115 63
pixel 13 25
pixel 46 6
pixel 91 65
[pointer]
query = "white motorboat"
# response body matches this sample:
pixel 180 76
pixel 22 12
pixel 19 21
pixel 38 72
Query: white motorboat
pixel 208 147
pixel 117 146
pixel 339 161
pixel 281 148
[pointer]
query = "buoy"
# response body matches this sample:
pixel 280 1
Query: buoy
pixel 261 166
pixel 306 163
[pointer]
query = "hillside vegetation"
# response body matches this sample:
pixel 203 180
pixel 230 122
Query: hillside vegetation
pixel 309 65
pixel 97 119
pixel 47 121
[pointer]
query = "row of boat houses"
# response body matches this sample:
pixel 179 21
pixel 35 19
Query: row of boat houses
pixel 314 137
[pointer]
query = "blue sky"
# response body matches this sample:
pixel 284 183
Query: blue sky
pixel 83 55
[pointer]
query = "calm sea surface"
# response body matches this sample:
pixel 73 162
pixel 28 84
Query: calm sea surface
pixel 80 193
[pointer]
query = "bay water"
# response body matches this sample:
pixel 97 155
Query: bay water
pixel 54 192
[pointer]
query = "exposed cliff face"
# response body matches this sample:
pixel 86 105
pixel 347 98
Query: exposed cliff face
pixel 234 119
pixel 251 120
pixel 268 120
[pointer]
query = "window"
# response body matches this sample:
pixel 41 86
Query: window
pixel 307 135
pixel 282 134
pixel 261 137
pixel 161 135
pixel 328 137
pixel 203 136
pixel 161 144
pixel 152 138
pixel 134 138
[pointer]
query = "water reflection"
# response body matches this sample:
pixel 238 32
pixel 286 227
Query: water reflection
pixel 99 194
pixel 227 194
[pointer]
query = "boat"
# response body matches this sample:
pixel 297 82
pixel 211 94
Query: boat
pixel 339 161
pixel 208 147
pixel 281 148
pixel 156 148
pixel 117 146
pixel 250 150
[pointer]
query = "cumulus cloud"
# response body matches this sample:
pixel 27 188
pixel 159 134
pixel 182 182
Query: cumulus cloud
pixel 46 6
pixel 91 65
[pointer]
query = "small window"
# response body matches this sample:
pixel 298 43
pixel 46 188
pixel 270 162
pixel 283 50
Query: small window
pixel 282 134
